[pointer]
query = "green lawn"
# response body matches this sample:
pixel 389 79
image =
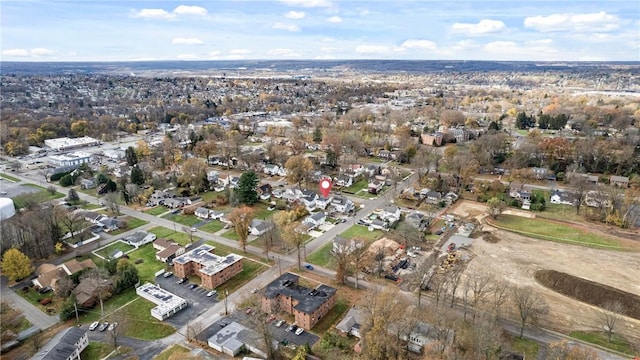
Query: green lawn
pixel 89 206
pixel 131 223
pixel 550 230
pixel 95 350
pixel 527 347
pixel 9 177
pixel 226 250
pixel 332 317
pixel 560 211
pixel 139 322
pixel 231 234
pixel 598 338
pixel 322 256
pixel 43 196
pixel 250 270
pixel 174 349
pixel 88 316
pixel 188 220
pixel 357 186
pixel 165 233
pixel 150 264
pixel 34 297
pixel 212 227
pixel 155 211
pixel 260 211
pixel 362 232
pixel 118 245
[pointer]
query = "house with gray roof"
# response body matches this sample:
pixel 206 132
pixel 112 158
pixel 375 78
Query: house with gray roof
pixel 66 345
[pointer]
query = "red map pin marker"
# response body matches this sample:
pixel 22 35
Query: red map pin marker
pixel 325 187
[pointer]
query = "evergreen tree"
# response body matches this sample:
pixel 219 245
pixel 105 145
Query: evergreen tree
pixel 73 196
pixel 317 135
pixel 137 176
pixel 247 186
pixel 131 156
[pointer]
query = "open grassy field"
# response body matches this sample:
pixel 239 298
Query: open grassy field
pixel 118 245
pixel 95 350
pixel 157 210
pixel 555 231
pixel 43 195
pixel 231 234
pixel 598 338
pixel 131 223
pixel 560 211
pixel 89 206
pixel 150 264
pixel 174 349
pixel 138 322
pixel 212 227
pixel 362 232
pixel 165 233
pixel 188 220
pixel 322 256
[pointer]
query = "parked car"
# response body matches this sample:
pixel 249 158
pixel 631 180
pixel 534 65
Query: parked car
pixel 212 293
pixel 94 325
pixel 292 327
pixel 308 266
pixel 168 274
pixel 279 323
pixel 182 281
pixel 193 286
pixel 340 221
pixel 271 207
pixel 113 326
pixel 299 331
pixel 104 326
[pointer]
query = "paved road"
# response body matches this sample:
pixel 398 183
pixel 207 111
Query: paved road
pixel 35 316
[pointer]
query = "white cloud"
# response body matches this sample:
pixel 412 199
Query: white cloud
pixel 16 52
pixel 187 56
pixel 190 10
pixel 164 14
pixel 308 3
pixel 294 15
pixel 153 14
pixel 464 45
pixel 531 50
pixel 239 51
pixel 373 49
pixel 287 27
pixel 41 52
pixel 35 52
pixel 186 41
pixel 325 57
pixel 419 44
pixel 485 26
pixel 592 22
pixel 330 49
pixel 335 19
pixel 283 53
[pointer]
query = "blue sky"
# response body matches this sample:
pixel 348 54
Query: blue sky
pixel 55 30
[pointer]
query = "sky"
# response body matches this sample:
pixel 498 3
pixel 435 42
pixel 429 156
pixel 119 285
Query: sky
pixel 540 30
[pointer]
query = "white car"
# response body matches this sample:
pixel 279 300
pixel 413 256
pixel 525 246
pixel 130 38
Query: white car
pixel 94 325
pixel 299 331
pixel 212 293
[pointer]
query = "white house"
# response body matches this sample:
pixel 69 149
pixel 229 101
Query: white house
pixel 344 180
pixel 139 238
pixel 66 345
pixel 202 213
pixel 390 213
pixel 563 197
pixel 342 204
pixel 323 202
pixel 271 169
pixel 259 227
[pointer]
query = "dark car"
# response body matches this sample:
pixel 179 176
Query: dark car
pixel 104 326
pixel 182 281
pixel 193 286
pixel 308 266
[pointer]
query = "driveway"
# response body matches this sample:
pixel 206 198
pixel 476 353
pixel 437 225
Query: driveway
pixel 35 316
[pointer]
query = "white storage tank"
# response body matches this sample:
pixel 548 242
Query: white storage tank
pixel 7 209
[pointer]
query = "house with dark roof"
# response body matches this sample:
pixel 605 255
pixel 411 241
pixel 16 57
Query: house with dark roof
pixel 308 306
pixel 88 291
pixel 66 345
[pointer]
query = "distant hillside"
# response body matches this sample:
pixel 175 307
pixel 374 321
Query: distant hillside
pixel 186 68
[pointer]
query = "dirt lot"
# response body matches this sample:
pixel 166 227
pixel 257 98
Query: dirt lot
pixel 516 258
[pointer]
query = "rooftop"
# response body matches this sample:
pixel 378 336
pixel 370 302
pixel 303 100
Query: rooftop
pixel 62 346
pixel 165 300
pixel 308 299
pixel 211 263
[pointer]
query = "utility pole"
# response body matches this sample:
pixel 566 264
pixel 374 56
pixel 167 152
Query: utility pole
pixel 226 295
pixel 75 306
pixel 279 269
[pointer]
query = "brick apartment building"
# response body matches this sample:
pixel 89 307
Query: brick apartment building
pixel 212 269
pixel 308 306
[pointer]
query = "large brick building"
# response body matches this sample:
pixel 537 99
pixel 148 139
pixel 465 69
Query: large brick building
pixel 308 306
pixel 212 269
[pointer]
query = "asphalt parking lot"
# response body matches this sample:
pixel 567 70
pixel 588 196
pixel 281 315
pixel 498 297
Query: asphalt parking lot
pixel 279 334
pixel 196 298
pixel 11 189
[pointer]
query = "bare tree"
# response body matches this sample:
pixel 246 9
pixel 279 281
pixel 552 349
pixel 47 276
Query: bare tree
pixel 73 222
pixel 342 254
pixel 111 202
pixel 563 350
pixel 270 237
pixel 120 327
pixel 580 186
pixel 455 277
pixel 194 328
pixel 499 296
pixel 189 231
pixel 479 286
pixel 357 254
pixel 609 315
pixel 528 306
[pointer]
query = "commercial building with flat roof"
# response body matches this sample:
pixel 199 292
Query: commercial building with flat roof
pixel 308 306
pixel 212 269
pixel 168 303
pixel 73 159
pixel 65 143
